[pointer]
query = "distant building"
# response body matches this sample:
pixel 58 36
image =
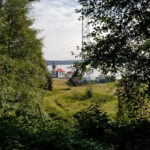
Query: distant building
pixel 97 79
pixel 60 73
pixel 69 74
pixel 57 73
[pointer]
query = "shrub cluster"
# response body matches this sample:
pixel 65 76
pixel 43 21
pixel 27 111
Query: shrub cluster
pixel 92 131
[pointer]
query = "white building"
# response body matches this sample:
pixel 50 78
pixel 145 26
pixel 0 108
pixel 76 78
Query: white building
pixel 57 73
pixel 69 74
pixel 60 73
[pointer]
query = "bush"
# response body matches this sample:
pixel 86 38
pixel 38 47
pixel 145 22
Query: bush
pixel 102 98
pixel 133 136
pixel 19 135
pixel 75 95
pixel 74 81
pixel 106 79
pixel 67 89
pixel 89 92
pixel 92 123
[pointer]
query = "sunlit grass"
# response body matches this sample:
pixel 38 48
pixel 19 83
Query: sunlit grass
pixel 66 101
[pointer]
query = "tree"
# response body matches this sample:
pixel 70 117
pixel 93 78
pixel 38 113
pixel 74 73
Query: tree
pixel 121 44
pixel 49 81
pixel 22 67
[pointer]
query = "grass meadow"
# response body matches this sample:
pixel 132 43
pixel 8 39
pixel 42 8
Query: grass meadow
pixel 64 101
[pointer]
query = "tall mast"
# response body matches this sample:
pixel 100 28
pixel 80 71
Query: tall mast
pixel 85 29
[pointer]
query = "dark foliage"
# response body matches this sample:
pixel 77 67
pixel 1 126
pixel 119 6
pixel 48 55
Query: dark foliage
pixel 93 132
pixel 120 43
pixel 78 73
pixel 16 134
pixel 89 92
pixel 49 81
pixel 92 122
pixel 133 136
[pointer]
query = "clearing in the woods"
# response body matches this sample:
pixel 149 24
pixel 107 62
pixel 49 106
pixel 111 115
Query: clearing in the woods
pixel 65 100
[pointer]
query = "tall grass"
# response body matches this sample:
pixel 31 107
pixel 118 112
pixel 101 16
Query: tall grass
pixel 69 100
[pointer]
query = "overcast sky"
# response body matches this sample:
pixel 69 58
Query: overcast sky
pixel 60 27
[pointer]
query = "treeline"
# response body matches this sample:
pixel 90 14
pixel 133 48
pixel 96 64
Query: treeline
pixel 23 72
pixel 62 62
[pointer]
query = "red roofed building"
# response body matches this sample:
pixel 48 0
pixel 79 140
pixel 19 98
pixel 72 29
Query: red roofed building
pixel 60 70
pixel 60 73
pixel 57 73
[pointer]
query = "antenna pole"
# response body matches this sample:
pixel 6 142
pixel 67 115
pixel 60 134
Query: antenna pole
pixel 82 29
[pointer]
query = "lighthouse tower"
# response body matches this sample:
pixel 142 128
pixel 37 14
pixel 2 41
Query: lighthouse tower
pixel 54 74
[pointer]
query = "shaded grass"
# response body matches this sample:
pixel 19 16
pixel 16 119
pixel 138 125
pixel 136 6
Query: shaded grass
pixel 102 98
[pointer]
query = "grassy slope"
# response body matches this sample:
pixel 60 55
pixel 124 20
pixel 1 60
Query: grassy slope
pixel 66 100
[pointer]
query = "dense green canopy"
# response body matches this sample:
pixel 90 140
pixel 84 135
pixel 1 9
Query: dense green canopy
pixel 22 67
pixel 121 34
pixel 120 43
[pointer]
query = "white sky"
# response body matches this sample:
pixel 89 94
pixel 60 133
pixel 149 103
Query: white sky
pixel 60 28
